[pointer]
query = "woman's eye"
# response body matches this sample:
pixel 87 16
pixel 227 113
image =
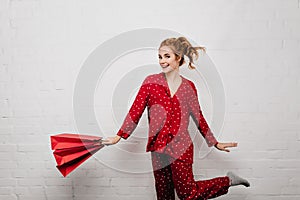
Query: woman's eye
pixel 165 57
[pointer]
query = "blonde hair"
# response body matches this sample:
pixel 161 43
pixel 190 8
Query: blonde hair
pixel 181 46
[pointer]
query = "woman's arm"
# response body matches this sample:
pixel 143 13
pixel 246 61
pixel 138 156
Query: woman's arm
pixel 199 119
pixel 202 125
pixel 133 116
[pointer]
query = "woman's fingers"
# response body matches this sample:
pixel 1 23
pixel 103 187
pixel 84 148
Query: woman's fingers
pixel 231 144
pixel 227 150
pixel 107 141
pixel 234 144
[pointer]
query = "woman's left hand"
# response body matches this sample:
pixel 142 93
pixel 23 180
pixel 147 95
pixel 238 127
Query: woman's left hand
pixel 224 146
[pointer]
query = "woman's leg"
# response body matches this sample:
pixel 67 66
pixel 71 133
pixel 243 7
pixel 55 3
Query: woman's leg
pixel 163 176
pixel 189 189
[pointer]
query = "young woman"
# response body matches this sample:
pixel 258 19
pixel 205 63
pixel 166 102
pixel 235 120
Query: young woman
pixel 171 99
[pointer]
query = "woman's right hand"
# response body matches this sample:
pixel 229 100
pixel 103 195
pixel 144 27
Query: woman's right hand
pixel 111 140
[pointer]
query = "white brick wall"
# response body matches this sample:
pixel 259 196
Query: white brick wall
pixel 254 44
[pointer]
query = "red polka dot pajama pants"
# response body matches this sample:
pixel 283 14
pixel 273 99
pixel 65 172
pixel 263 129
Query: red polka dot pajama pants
pixel 173 174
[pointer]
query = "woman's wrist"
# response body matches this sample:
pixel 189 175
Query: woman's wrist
pixel 117 138
pixel 216 145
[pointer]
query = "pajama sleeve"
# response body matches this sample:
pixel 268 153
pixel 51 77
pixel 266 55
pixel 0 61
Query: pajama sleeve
pixel 135 112
pixel 198 118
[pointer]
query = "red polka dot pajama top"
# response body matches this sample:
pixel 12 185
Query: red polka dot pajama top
pixel 168 117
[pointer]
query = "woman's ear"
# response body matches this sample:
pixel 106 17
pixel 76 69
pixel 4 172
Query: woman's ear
pixel 178 58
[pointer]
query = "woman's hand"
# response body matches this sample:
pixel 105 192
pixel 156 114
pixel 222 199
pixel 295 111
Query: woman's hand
pixel 224 146
pixel 111 140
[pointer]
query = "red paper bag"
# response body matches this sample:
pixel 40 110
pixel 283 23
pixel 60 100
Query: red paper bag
pixel 71 150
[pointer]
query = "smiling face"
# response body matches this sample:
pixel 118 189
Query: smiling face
pixel 167 59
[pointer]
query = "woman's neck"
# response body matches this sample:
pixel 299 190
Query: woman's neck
pixel 172 76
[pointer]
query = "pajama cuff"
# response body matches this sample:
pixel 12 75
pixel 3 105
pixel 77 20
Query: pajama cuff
pixel 122 134
pixel 211 141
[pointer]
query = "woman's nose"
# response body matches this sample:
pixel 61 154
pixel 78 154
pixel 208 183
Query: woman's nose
pixel 162 60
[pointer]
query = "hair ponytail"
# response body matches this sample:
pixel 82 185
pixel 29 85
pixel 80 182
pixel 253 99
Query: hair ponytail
pixel 182 47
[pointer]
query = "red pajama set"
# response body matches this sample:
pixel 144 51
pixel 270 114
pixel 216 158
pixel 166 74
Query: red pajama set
pixel 169 141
